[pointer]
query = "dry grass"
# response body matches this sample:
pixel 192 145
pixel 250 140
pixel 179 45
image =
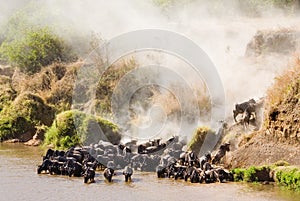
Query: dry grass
pixel 54 84
pixel 283 83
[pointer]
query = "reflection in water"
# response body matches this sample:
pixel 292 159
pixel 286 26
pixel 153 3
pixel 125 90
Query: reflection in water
pixel 19 181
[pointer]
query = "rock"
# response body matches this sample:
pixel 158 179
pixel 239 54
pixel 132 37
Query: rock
pixel 37 139
pixel 33 142
pixel 282 41
pixel 7 70
pixel 12 141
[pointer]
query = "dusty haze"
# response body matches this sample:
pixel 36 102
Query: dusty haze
pixel 223 33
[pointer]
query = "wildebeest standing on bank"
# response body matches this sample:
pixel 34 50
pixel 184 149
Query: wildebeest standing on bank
pixel 248 107
pixel 221 153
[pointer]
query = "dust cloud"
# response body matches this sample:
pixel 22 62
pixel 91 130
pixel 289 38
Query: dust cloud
pixel 222 31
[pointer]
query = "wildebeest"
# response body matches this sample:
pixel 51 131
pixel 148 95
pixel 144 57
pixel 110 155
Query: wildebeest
pixel 89 175
pixel 247 106
pixel 221 153
pixel 127 173
pixel 161 171
pixel 191 158
pixel 195 176
pixel 204 159
pixel 108 174
pixel 224 175
pixel 44 166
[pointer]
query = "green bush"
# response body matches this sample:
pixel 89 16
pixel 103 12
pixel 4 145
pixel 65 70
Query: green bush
pixel 253 174
pixel 73 127
pixel 286 176
pixel 198 138
pixel 12 126
pixel 250 174
pixel 23 114
pixel 36 48
pixel 7 93
pixel 238 174
pixel 289 178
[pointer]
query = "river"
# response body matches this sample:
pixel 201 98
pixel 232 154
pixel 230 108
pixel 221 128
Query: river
pixel 19 181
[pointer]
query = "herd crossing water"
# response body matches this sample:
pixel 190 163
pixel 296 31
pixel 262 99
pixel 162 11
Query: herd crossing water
pixel 19 181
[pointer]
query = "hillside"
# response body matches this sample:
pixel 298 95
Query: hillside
pixel 279 138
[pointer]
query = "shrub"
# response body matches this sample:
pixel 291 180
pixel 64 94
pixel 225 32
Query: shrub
pixel 286 176
pixel 238 174
pixel 253 174
pixel 7 93
pixel 289 178
pixel 38 47
pixel 12 126
pixel 73 127
pixel 250 174
pixel 198 138
pixel 23 114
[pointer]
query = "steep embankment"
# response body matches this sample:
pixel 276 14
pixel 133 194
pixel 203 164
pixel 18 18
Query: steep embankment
pixel 30 102
pixel 279 138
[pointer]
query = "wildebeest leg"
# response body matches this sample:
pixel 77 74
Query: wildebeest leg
pixel 235 113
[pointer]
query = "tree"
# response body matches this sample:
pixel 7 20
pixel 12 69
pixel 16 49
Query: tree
pixel 38 47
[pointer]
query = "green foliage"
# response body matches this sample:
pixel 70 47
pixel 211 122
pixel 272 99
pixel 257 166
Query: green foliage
pixel 23 114
pixel 7 93
pixel 12 126
pixel 259 174
pixel 38 47
pixel 289 178
pixel 286 176
pixel 73 127
pixel 250 174
pixel 238 174
pixel 34 108
pixel 198 138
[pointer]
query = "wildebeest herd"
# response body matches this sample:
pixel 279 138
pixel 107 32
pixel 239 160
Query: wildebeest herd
pixel 196 170
pixel 167 159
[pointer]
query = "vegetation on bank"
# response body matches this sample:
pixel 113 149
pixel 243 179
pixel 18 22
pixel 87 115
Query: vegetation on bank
pixel 71 128
pixel 36 48
pixel 198 138
pixel 281 109
pixel 23 115
pixel 281 173
pixel 289 178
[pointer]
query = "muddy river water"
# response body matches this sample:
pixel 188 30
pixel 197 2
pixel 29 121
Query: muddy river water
pixel 19 181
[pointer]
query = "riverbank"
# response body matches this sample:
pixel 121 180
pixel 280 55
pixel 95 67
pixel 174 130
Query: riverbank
pixel 280 173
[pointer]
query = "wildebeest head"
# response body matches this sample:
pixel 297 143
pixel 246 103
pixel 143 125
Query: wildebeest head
pixel 208 156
